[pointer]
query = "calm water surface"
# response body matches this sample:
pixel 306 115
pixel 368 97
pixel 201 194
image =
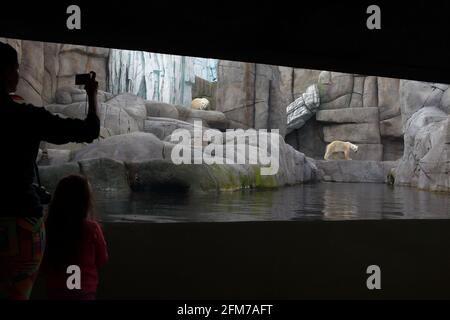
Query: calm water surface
pixel 322 201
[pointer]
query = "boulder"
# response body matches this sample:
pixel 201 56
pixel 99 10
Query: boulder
pixel 164 175
pixel 348 115
pixel 212 119
pixel 135 106
pixel 415 95
pixel 163 127
pixel 161 109
pixel 112 116
pixel 354 171
pixel 425 160
pixel 51 175
pixel 137 146
pixel 445 101
pixel 356 133
pixel 58 156
pixel 71 94
pixel 290 166
pixel 106 176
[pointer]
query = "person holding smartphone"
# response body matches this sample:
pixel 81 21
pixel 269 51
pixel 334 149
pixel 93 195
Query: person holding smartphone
pixel 22 128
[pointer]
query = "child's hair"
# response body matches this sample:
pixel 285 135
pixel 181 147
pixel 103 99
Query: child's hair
pixel 71 205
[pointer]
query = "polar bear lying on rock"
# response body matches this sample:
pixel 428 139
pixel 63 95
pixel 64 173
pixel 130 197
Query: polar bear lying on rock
pixel 340 146
pixel 200 104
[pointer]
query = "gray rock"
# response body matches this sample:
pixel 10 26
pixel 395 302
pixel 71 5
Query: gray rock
pixel 286 84
pixel 445 101
pixel 164 175
pixel 425 160
pixel 31 70
pixel 356 133
pixel 112 116
pixel 135 106
pixel 184 113
pixel 348 115
pixel 370 94
pixel 303 79
pixel 71 146
pixel 250 94
pixel 368 152
pixel 324 77
pixel 80 59
pixel 303 108
pixel 69 95
pixel 388 97
pixel 354 171
pixel 415 95
pixel 51 66
pixel 358 91
pixel 51 175
pixel 392 128
pixel 309 139
pixel 103 163
pixel 159 77
pixel 106 176
pixel 163 127
pixel 392 149
pixel 213 119
pixel 339 85
pixel 58 156
pixel 137 146
pixel 338 103
pixel 160 109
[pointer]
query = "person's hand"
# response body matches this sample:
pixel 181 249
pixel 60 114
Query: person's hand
pixel 91 88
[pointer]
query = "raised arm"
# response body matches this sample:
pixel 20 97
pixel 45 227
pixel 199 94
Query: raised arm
pixel 57 130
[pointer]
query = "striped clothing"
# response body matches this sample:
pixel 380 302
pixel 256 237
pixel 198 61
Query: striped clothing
pixel 22 244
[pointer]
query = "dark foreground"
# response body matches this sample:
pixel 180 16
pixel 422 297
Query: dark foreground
pixel 275 260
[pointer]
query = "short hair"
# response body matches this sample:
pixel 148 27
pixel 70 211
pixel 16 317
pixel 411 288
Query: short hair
pixel 8 56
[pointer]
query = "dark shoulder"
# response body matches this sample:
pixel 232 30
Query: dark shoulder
pixel 29 109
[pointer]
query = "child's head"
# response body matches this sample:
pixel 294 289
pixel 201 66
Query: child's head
pixel 71 205
pixel 72 199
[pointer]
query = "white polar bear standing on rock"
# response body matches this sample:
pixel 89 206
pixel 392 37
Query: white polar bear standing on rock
pixel 200 104
pixel 340 146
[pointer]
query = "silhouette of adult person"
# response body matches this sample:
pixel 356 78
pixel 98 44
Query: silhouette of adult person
pixel 22 128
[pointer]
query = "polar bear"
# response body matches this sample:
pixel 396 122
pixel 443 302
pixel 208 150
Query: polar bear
pixel 200 104
pixel 340 146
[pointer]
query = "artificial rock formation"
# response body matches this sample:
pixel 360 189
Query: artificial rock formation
pixel 360 109
pixel 250 95
pixel 425 163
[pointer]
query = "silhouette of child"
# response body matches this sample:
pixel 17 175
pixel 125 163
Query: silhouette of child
pixel 74 238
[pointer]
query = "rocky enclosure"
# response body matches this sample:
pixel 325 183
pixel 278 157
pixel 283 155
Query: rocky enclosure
pixel 389 119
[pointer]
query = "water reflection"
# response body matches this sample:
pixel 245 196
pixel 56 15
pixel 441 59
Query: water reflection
pixel 324 201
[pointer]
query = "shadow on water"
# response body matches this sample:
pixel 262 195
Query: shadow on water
pixel 322 201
